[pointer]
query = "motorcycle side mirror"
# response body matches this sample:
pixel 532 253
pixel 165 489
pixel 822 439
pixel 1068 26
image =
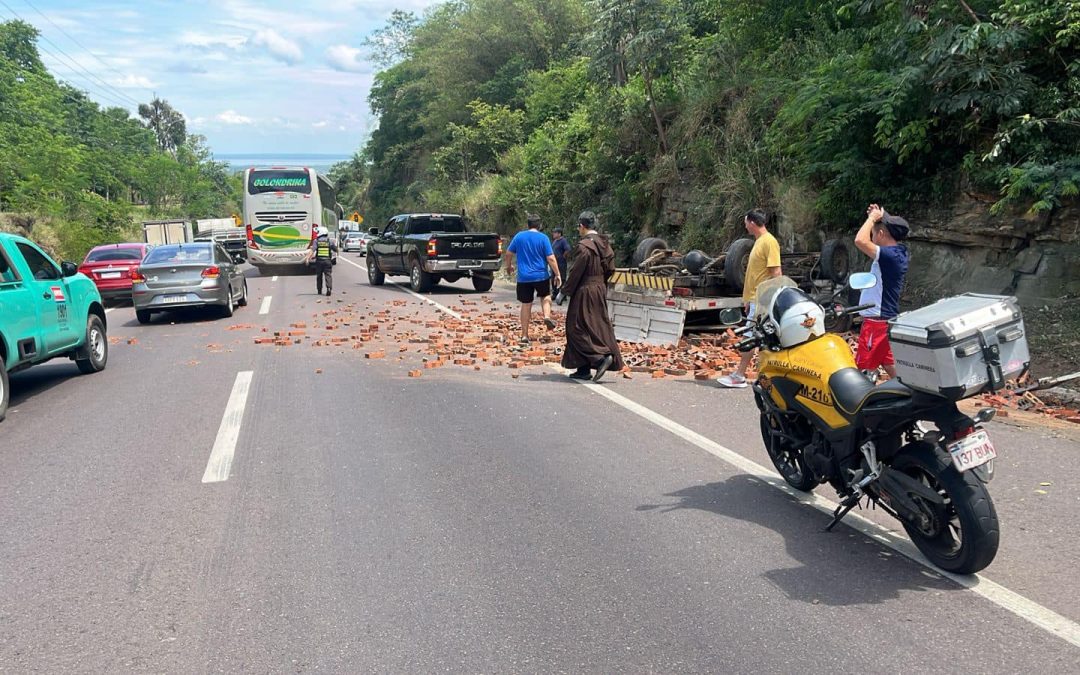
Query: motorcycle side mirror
pixel 862 280
pixel 731 316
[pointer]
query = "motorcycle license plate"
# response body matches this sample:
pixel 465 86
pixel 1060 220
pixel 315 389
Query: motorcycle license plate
pixel 972 451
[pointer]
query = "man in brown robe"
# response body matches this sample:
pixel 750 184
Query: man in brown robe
pixel 590 337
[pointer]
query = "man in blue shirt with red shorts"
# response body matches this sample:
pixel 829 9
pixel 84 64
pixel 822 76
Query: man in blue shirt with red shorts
pixel 879 238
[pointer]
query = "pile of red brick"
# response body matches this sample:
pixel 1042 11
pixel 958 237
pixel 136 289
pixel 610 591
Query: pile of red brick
pixel 1009 399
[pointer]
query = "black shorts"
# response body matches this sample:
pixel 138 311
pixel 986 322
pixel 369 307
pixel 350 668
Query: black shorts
pixel 526 289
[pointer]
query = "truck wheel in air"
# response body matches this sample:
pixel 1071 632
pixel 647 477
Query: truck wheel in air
pixel 482 284
pixel 419 280
pixel 94 354
pixel 646 248
pixel 375 276
pixel 738 255
pixel 835 261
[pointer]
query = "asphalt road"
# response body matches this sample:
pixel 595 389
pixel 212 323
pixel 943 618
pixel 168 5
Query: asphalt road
pixel 466 521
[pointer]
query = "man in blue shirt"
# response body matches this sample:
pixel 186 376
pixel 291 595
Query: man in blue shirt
pixel 879 238
pixel 532 250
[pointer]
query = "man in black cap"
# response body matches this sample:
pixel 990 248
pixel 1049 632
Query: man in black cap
pixel 880 238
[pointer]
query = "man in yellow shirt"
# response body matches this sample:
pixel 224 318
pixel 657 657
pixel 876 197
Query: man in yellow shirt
pixel 764 263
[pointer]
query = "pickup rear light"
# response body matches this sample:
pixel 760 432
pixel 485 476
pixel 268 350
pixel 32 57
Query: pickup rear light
pixel 432 248
pixel 500 247
pixel 137 277
pixel 211 272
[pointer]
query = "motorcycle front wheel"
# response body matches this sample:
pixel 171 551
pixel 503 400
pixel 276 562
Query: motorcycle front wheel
pixel 962 536
pixel 787 459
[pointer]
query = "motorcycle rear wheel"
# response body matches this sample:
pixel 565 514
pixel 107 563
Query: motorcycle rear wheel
pixel 788 460
pixel 963 537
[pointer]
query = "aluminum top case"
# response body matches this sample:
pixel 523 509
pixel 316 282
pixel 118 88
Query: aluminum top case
pixel 960 346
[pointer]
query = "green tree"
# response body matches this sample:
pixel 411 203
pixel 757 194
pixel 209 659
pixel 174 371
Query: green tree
pixel 166 122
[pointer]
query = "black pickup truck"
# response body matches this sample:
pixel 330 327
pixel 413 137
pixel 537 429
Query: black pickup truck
pixel 432 246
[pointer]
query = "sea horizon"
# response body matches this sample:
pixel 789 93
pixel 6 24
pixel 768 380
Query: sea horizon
pixel 321 162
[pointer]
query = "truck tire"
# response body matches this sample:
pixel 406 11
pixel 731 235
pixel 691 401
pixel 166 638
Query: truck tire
pixel 646 248
pixel 375 276
pixel 5 394
pixel 735 260
pixel 142 315
pixel 419 280
pixel 835 262
pixel 482 284
pixel 94 354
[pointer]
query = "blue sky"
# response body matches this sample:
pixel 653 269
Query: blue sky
pixel 251 75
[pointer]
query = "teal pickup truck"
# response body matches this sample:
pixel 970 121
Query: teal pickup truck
pixel 46 311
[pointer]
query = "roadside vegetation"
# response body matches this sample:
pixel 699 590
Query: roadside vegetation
pixel 812 108
pixel 74 175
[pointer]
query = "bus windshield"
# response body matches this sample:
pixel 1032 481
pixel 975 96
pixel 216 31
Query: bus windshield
pixel 272 180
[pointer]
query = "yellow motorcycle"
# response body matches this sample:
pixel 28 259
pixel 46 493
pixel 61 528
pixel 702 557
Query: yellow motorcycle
pixel 824 421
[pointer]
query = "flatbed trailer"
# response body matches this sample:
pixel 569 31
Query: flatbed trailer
pixel 668 294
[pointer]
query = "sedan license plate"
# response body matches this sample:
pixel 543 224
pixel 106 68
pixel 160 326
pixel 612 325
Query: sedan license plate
pixel 972 451
pixel 111 275
pixel 171 299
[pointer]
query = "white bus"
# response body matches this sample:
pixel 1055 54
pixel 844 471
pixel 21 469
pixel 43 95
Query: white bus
pixel 282 207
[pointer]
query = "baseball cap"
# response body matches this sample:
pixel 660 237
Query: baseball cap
pixel 897 226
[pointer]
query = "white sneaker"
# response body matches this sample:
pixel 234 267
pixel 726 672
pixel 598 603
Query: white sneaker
pixel 733 381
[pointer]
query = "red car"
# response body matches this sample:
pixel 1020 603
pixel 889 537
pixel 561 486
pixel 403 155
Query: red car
pixel 110 266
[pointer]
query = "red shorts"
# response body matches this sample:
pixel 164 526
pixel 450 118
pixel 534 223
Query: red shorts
pixel 874 349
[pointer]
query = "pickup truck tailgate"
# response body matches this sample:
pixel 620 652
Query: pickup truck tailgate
pixel 467 245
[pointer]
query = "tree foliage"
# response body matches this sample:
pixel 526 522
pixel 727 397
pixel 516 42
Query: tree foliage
pixel 810 108
pixel 92 171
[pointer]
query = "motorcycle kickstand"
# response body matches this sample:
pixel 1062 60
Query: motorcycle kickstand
pixel 842 510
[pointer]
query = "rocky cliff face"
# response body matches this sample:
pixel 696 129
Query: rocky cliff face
pixel 964 248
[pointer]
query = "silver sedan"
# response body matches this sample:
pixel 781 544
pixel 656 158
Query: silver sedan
pixel 195 274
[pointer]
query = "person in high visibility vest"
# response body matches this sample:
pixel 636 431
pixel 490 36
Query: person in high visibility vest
pixel 324 252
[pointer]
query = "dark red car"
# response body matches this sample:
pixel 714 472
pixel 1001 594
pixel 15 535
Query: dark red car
pixel 110 266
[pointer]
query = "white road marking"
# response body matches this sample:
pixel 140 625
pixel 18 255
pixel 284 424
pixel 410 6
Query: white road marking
pixel 109 310
pixel 264 308
pixel 1013 602
pixel 413 293
pixel 217 468
pixel 274 278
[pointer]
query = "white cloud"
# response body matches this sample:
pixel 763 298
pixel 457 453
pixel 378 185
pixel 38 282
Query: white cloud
pixel 340 128
pixel 320 124
pixel 195 39
pixel 278 45
pixel 133 82
pixel 346 58
pixel 232 117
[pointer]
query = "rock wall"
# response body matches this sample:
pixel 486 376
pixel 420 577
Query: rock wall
pixel 965 248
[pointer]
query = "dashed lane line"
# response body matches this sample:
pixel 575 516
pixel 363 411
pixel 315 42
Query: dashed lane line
pixel 413 293
pixel 264 308
pixel 221 456
pixel 1029 610
pixel 274 278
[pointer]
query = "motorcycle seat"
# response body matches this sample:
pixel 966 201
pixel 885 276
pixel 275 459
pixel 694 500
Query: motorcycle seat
pixel 852 391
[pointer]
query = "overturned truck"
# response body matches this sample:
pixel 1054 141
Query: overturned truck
pixel 665 293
